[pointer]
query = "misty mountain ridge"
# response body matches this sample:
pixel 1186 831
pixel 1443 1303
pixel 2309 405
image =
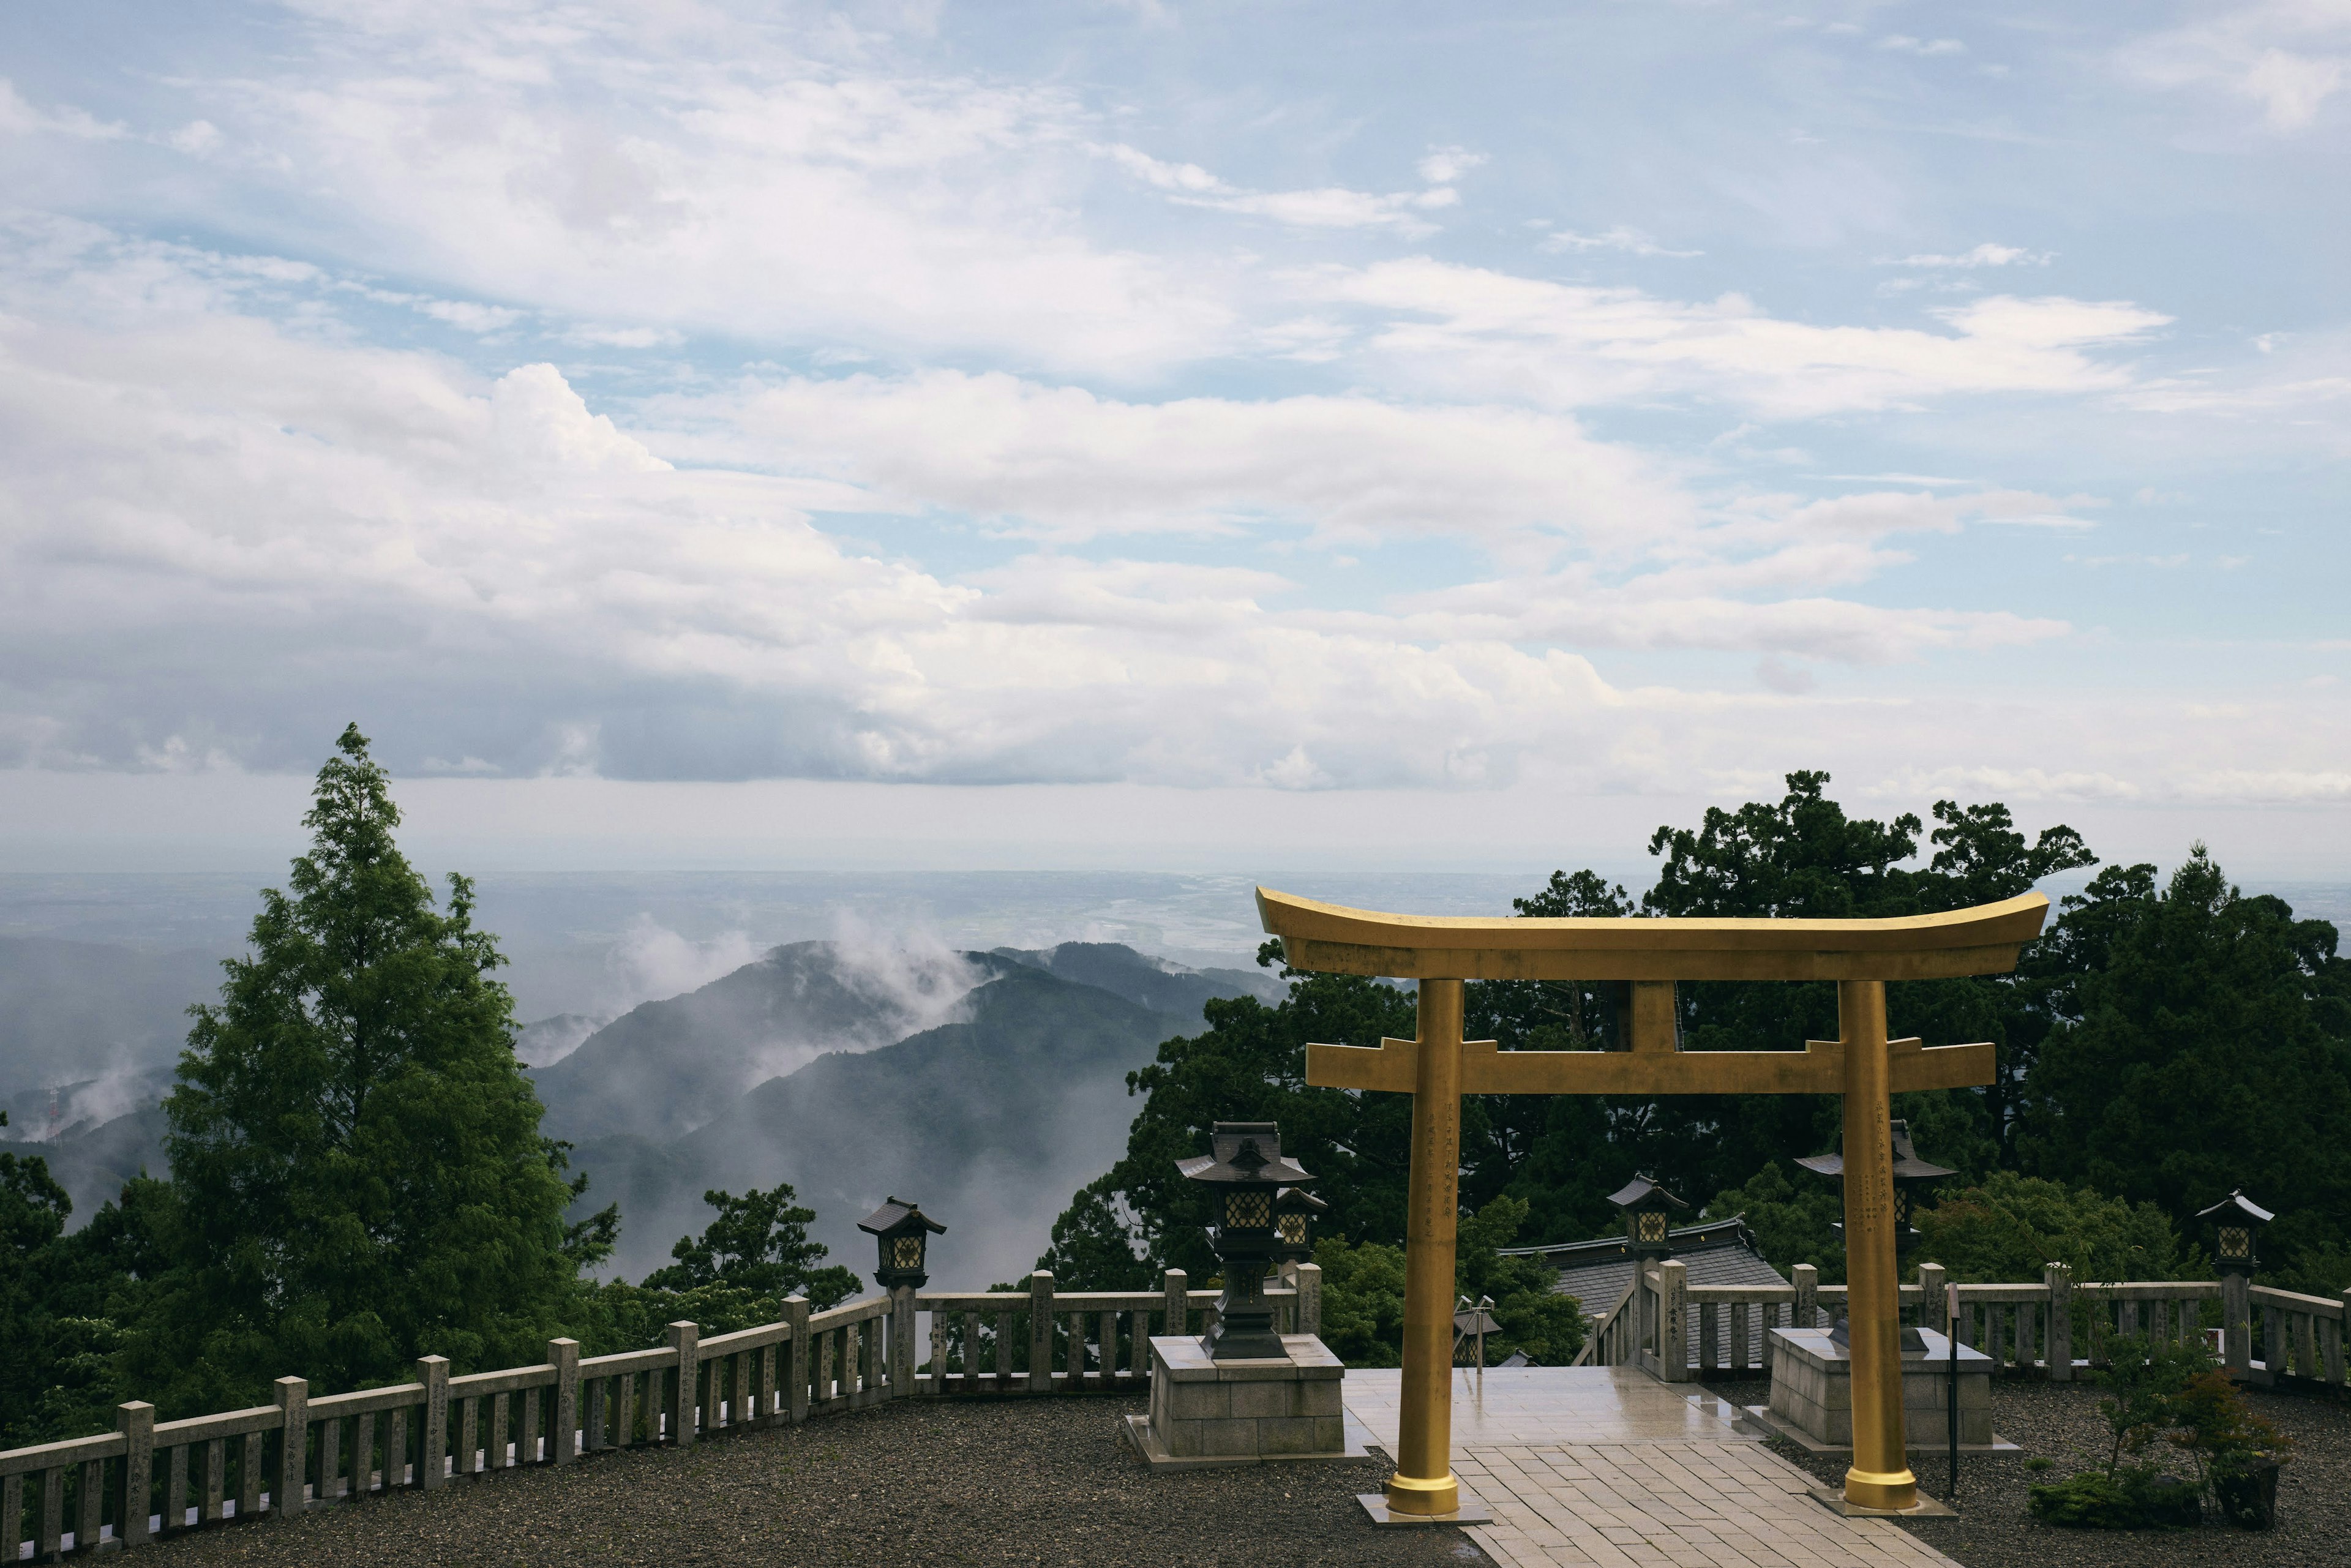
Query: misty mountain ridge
pixel 989 1085
pixel 991 1118
pixel 665 1068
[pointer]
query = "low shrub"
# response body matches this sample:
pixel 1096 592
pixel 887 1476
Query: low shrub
pixel 2133 1497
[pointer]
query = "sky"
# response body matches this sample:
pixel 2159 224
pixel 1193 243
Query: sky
pixel 1143 433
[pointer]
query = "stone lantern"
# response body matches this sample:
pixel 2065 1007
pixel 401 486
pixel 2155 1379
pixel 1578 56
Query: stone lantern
pixel 1295 1214
pixel 1649 1216
pixel 903 1232
pixel 1243 1393
pixel 1245 1172
pixel 2237 1222
pixel 1912 1177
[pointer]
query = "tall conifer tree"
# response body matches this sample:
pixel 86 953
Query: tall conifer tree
pixel 357 1163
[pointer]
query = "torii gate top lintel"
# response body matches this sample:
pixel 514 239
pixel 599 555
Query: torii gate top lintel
pixel 1334 940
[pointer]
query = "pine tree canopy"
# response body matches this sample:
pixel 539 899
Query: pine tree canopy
pixel 357 1172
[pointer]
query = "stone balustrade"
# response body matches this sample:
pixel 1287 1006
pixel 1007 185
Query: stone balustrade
pixel 2055 1328
pixel 146 1477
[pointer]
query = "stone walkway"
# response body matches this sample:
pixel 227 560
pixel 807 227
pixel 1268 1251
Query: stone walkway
pixel 1607 1468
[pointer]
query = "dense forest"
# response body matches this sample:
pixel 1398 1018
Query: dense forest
pixel 359 1175
pixel 2163 1042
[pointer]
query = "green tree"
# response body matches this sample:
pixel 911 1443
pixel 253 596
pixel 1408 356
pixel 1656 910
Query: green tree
pixel 1250 1065
pixel 1803 858
pixel 1794 1214
pixel 2203 1044
pixel 33 1210
pixel 357 1172
pixel 1362 1294
pixel 2011 1225
pixel 1535 1318
pixel 1563 1155
pixel 760 1242
pixel 1800 857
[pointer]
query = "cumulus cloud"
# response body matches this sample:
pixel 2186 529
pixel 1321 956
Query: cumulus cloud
pixel 1063 463
pixel 235 537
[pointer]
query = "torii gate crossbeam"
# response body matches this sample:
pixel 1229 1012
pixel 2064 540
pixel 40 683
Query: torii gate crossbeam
pixel 1439 1067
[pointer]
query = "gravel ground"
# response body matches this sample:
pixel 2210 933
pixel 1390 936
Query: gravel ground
pixel 1011 1481
pixel 2060 1422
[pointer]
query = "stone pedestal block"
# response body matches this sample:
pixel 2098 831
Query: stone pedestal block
pixel 1206 1412
pixel 1812 1392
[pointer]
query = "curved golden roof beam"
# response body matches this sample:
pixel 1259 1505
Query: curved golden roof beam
pixel 1331 939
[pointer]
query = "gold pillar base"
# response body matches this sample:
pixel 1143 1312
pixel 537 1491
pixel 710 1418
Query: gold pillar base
pixel 1416 1494
pixel 1893 1490
pixel 1380 1509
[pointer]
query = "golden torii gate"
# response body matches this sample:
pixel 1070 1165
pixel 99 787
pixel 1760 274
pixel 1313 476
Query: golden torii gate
pixel 1439 1067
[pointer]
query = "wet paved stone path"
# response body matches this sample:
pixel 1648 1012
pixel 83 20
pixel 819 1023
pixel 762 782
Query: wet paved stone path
pixel 1607 1468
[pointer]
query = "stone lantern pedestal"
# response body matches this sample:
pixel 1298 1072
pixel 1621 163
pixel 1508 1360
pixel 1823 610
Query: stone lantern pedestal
pixel 1811 1395
pixel 1242 1412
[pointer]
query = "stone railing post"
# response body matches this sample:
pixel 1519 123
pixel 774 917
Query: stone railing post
pixel 294 1446
pixel 1807 1279
pixel 1041 1332
pixel 1309 1299
pixel 565 1355
pixel 433 1441
pixel 796 1313
pixel 902 1342
pixel 1673 1320
pixel 1930 1297
pixel 1176 1287
pixel 135 1419
pixel 2059 1350
pixel 2236 1323
pixel 685 1340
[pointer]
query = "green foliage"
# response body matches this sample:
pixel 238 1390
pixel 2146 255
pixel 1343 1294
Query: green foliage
pixel 2141 1379
pixel 2204 1045
pixel 1362 1300
pixel 1248 1066
pixel 33 1210
pixel 1362 1294
pixel 1794 1214
pixel 2214 1424
pixel 759 1245
pixel 2009 1228
pixel 1549 1327
pixel 2171 1395
pixel 2137 1497
pixel 1802 858
pixel 357 1172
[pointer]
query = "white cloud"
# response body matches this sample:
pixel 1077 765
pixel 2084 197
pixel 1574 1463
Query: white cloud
pixel 2290 56
pixel 1445 165
pixel 469 316
pixel 1476 332
pixel 236 537
pixel 694 174
pixel 1901 43
pixel 1067 463
pixel 1328 207
pixel 1619 237
pixel 1986 255
pixel 19 118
